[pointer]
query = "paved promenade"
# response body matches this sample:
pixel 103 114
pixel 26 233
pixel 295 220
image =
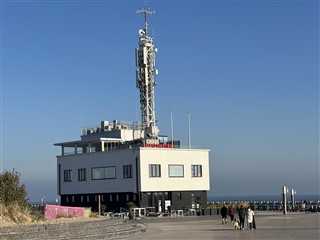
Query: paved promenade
pixel 270 225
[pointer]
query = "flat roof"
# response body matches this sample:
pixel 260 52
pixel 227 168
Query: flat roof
pixel 85 143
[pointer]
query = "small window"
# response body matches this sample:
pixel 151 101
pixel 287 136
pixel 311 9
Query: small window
pixel 176 171
pixel 117 198
pixel 67 175
pixel 134 197
pixel 110 198
pixel 82 174
pixel 102 198
pixel 67 199
pixel 81 198
pixel 73 199
pixel 154 170
pixel 196 170
pixel 127 171
pixel 127 197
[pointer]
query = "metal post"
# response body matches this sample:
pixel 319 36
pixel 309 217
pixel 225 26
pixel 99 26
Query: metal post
pixel 292 199
pixel 284 199
pixel 99 205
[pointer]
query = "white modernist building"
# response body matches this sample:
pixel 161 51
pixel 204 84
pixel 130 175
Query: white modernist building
pixel 120 162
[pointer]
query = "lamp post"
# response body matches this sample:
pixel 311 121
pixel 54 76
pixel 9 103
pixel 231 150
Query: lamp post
pixel 293 192
pixel 284 197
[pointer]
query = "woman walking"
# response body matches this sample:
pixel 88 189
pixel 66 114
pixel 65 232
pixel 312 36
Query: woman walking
pixel 250 218
pixel 231 213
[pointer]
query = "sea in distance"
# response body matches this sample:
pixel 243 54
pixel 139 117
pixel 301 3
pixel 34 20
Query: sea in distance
pixel 297 197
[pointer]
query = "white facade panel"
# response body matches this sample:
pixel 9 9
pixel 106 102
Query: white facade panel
pixel 166 157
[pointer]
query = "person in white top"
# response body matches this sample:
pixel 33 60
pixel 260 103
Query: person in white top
pixel 250 218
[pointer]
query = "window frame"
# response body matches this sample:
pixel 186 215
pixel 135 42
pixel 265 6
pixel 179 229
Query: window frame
pixel 82 174
pixel 105 175
pixel 196 171
pixel 127 171
pixel 154 170
pixel 67 175
pixel 171 171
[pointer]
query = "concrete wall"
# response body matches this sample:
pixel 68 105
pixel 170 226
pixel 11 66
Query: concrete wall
pixel 99 229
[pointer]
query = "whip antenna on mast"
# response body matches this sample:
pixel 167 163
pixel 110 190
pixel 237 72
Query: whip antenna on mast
pixel 146 11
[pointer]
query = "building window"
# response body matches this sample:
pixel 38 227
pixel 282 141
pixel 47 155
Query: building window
pixel 88 198
pixel 179 196
pixel 176 171
pixel 102 198
pixel 134 197
pixel 72 199
pixel 67 199
pixel 81 198
pixel 117 198
pixel 127 171
pixel 103 173
pixel 95 198
pixel 110 198
pixel 196 170
pixel 127 197
pixel 67 175
pixel 154 170
pixel 82 174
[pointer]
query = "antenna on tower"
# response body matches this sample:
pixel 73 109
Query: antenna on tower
pixel 146 11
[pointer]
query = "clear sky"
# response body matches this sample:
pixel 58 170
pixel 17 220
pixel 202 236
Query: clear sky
pixel 247 71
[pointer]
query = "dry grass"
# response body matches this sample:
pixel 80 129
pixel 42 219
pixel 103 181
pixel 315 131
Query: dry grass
pixel 14 216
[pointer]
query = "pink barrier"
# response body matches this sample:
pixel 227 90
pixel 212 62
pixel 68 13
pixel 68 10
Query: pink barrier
pixel 54 211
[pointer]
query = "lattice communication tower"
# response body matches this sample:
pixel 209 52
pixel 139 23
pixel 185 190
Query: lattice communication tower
pixel 146 77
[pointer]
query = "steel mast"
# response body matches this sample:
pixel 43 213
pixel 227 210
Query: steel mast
pixel 146 78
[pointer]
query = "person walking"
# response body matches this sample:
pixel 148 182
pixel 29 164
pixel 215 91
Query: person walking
pixel 250 218
pixel 242 216
pixel 231 213
pixel 224 212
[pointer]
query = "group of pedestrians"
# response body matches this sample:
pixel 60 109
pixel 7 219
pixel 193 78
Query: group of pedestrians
pixel 243 215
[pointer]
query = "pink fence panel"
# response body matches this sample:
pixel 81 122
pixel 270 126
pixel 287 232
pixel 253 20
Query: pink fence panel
pixel 54 211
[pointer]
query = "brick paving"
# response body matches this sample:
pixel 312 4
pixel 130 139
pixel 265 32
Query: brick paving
pixel 270 225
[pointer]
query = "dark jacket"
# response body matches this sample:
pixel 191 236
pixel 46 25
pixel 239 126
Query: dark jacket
pixel 242 213
pixel 224 211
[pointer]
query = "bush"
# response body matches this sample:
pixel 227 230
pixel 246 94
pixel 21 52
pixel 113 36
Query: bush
pixel 11 191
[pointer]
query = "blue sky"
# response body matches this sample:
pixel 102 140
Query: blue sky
pixel 247 71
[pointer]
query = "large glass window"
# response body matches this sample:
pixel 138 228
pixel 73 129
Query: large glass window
pixel 176 171
pixel 103 173
pixel 154 170
pixel 82 174
pixel 196 170
pixel 67 175
pixel 127 171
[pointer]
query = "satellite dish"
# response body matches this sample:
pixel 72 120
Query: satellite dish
pixel 141 32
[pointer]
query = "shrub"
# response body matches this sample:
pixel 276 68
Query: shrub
pixel 11 191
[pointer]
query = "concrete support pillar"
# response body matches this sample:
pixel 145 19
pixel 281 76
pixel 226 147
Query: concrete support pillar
pixel 292 199
pixel 102 146
pixel 284 199
pixel 89 147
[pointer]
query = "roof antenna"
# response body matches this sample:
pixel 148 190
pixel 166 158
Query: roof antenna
pixel 146 11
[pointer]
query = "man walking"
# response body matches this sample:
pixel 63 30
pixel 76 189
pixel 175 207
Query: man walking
pixel 242 216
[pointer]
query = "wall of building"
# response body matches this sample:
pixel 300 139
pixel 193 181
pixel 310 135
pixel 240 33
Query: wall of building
pixel 116 158
pixel 168 156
